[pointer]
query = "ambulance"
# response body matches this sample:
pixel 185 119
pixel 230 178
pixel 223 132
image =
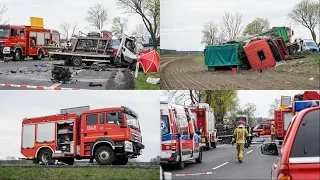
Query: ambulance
pixel 178 143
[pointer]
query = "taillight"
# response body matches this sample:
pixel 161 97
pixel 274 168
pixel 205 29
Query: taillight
pixel 284 177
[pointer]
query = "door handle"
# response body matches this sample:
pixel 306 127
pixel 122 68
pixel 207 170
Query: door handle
pixel 85 134
pixel 105 133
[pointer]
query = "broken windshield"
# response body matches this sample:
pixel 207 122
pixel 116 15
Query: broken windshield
pixel 133 122
pixel 4 33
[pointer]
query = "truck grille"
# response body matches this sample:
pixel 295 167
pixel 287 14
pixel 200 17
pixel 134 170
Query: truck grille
pixel 136 138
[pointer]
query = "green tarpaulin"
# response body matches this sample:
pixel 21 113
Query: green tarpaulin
pixel 222 55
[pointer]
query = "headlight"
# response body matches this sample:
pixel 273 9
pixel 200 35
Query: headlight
pixel 6 50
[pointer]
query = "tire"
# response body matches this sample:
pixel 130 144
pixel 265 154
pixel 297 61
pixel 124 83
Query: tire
pixel 89 63
pixel 76 61
pixel 17 55
pixel 199 159
pixel 104 155
pixel 120 161
pixel 69 161
pixel 180 164
pixel 45 155
pixel 38 56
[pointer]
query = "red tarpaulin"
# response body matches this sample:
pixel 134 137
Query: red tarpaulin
pixel 150 61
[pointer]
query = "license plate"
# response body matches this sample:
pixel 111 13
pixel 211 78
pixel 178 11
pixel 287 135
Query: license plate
pixel 203 140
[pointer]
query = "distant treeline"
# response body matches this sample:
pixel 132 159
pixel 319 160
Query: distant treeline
pixel 174 52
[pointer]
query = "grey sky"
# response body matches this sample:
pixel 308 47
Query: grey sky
pixel 261 98
pixel 57 11
pixel 16 105
pixel 182 20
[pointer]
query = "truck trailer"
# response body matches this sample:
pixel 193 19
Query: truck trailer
pixel 108 135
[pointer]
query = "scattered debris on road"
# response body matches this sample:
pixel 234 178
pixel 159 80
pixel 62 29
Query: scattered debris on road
pixel 61 74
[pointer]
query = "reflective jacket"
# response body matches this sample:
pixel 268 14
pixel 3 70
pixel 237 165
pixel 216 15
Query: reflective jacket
pixel 240 135
pixel 273 130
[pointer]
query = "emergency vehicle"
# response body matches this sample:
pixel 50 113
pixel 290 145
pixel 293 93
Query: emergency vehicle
pixel 288 109
pixel 108 135
pixel 18 42
pixel 178 145
pixel 263 129
pixel 243 118
pixel 206 125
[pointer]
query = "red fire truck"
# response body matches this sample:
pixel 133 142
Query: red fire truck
pixel 18 42
pixel 206 124
pixel 108 135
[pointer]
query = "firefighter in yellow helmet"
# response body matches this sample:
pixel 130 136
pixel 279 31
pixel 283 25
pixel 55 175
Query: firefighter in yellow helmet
pixel 273 133
pixel 239 137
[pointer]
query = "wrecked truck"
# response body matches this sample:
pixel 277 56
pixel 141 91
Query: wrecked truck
pixel 89 50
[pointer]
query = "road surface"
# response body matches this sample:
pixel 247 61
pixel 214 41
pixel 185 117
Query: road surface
pixel 30 76
pixel 189 72
pixel 222 163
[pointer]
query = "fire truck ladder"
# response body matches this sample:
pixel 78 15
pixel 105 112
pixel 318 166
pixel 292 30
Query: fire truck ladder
pixel 280 123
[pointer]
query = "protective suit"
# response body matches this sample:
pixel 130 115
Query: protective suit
pixel 239 137
pixel 191 135
pixel 273 133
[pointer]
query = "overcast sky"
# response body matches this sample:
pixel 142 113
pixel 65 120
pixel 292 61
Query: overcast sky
pixel 261 98
pixel 57 11
pixel 16 105
pixel 182 20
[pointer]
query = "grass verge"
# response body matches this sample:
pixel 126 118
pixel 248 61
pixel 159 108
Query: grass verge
pixel 141 81
pixel 76 173
pixel 172 55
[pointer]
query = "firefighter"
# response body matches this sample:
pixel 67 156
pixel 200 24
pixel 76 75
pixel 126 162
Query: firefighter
pixel 249 135
pixel 191 135
pixel 239 137
pixel 273 132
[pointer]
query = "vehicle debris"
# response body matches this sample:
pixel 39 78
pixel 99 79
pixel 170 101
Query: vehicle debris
pixel 153 80
pixel 93 84
pixel 61 74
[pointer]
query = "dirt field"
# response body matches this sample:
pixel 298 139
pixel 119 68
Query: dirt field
pixel 189 72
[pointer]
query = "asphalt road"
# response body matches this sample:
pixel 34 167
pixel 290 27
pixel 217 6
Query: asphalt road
pixel 28 73
pixel 222 163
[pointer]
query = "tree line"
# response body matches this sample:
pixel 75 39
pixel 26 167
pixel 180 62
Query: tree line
pixel 98 16
pixel 305 13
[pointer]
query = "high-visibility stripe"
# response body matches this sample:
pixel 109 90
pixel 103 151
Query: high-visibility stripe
pixel 37 87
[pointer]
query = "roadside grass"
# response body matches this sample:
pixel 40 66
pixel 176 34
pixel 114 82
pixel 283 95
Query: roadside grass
pixel 172 55
pixel 308 65
pixel 77 173
pixel 141 81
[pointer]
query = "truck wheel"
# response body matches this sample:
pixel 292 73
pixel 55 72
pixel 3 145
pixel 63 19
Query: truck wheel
pixel 38 56
pixel 199 159
pixel 120 161
pixel 180 164
pixel 17 55
pixel 45 155
pixel 104 155
pixel 76 61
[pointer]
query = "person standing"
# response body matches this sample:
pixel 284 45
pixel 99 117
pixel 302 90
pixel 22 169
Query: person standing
pixel 239 137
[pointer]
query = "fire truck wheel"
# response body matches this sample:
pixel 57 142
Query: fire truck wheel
pixel 76 61
pixel 199 159
pixel 104 155
pixel 180 164
pixel 17 55
pixel 120 161
pixel 45 155
pixel 38 56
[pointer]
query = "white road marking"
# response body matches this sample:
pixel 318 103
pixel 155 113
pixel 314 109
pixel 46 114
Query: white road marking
pixel 221 145
pixel 55 85
pixel 220 165
pixel 249 151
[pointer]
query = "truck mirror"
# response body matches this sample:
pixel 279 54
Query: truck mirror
pixel 120 117
pixel 292 33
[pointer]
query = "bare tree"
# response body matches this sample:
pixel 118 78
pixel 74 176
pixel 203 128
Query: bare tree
pixel 97 16
pixel 65 27
pixel 74 28
pixel 257 26
pixel 141 31
pixel 306 13
pixel 273 106
pixel 221 38
pixel 3 9
pixel 209 33
pixel 231 25
pixel 149 10
pixel 119 25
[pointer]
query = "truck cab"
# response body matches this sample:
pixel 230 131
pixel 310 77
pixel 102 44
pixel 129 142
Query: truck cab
pixel 12 41
pixel 309 45
pixel 178 144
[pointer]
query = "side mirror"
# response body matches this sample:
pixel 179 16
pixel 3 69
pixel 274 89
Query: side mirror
pixel 269 149
pixel 292 33
pixel 120 117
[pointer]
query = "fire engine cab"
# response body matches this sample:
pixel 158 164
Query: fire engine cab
pixel 179 142
pixel 108 135
pixel 18 42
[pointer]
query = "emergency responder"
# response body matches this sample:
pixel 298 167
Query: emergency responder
pixel 273 133
pixel 191 129
pixel 249 135
pixel 239 137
